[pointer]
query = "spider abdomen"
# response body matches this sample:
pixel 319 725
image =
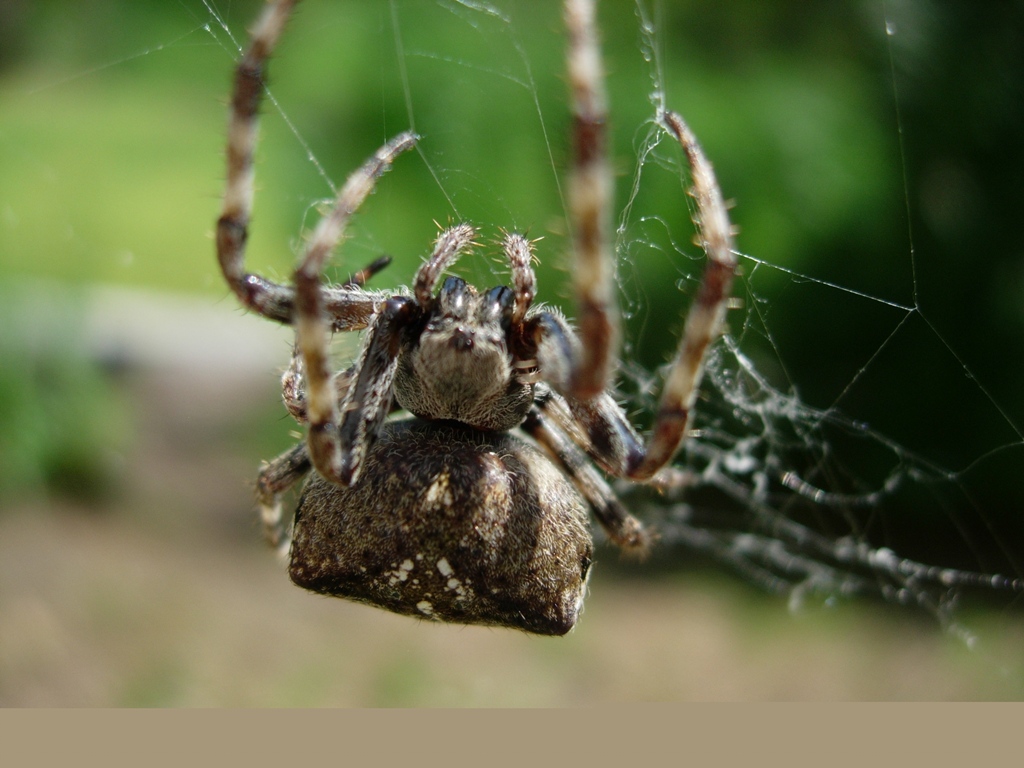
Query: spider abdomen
pixel 452 524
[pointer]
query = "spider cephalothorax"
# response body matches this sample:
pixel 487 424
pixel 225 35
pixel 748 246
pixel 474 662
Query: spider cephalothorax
pixel 472 506
pixel 461 359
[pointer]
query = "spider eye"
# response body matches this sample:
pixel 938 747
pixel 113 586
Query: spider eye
pixel 452 298
pixel 498 304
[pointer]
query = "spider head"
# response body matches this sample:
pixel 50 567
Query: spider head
pixel 458 365
pixel 470 327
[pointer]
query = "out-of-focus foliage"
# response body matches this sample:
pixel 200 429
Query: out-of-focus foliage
pixel 63 426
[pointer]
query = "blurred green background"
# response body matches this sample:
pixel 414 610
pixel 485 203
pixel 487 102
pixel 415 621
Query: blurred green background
pixel 136 400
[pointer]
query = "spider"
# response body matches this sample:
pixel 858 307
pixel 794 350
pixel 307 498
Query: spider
pixel 451 466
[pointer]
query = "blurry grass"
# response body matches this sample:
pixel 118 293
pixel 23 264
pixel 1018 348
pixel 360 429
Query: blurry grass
pixel 100 186
pixel 64 427
pixel 175 621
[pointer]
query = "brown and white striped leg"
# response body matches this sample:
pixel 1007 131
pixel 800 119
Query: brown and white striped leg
pixel 328 450
pixel 349 309
pixel 275 478
pixel 269 299
pixel 624 530
pixel 293 381
pixel 293 387
pixel 598 424
pixel 340 436
pixel 590 197
pixel 706 317
pixel 313 313
pixel 330 230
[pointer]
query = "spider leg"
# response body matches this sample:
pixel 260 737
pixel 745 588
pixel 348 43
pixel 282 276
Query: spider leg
pixel 275 478
pixel 580 369
pixel 590 193
pixel 706 316
pixel 331 228
pixel 339 437
pixel 360 278
pixel 337 446
pixel 293 386
pixel 447 248
pixel 519 252
pixel 348 307
pixel 268 299
pixel 293 389
pixel 623 529
pixel 598 424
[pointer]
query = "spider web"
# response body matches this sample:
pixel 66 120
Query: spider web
pixel 842 498
pixel 855 433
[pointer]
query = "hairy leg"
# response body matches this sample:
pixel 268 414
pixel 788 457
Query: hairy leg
pixel 598 424
pixel 275 478
pixel 590 193
pixel 623 529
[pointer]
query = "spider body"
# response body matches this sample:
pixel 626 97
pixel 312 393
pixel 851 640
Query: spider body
pixel 451 523
pixel 473 508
